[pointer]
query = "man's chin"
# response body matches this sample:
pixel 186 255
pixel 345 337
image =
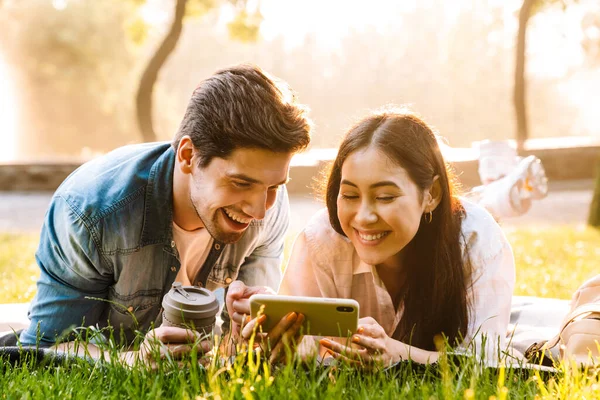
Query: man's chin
pixel 231 238
pixel 227 237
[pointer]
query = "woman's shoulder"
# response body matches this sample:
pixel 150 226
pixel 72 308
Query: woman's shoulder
pixel 320 237
pixel 480 232
pixel 476 216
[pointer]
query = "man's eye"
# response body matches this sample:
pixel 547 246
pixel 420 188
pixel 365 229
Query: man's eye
pixel 241 185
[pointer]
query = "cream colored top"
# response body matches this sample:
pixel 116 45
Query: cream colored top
pixel 324 263
pixel 193 248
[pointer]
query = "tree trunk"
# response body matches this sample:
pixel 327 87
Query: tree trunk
pixel 594 218
pixel 519 89
pixel 143 99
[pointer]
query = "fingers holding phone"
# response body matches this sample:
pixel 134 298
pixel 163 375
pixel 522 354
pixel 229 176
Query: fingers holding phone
pixel 282 338
pixel 238 302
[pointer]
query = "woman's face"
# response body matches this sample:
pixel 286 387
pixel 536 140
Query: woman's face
pixel 379 206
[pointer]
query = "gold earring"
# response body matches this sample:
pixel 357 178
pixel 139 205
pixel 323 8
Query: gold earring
pixel 428 217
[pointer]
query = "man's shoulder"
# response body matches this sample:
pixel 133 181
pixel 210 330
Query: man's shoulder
pixel 112 182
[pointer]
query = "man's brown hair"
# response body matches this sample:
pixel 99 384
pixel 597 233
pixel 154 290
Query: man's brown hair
pixel 243 107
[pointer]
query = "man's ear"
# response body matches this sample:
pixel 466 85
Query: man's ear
pixel 185 155
pixel 433 196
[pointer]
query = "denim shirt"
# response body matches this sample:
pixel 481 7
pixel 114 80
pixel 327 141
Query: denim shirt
pixel 107 254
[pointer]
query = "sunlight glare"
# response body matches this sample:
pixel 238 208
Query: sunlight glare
pixel 59 4
pixel 8 115
pixel 329 21
pixel 153 13
pixel 554 42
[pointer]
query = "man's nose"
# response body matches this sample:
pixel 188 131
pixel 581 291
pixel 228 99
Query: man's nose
pixel 256 206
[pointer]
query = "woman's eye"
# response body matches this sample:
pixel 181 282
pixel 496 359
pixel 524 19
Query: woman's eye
pixel 386 199
pixel 348 196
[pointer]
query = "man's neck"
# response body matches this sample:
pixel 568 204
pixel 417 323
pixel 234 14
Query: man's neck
pixel 184 214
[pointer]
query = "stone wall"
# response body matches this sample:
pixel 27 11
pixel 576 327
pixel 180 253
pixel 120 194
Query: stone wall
pixel 561 163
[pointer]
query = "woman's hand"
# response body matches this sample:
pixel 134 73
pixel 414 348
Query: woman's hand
pixel 371 346
pixel 284 336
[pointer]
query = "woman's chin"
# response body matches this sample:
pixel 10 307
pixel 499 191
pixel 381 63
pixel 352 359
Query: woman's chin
pixel 369 258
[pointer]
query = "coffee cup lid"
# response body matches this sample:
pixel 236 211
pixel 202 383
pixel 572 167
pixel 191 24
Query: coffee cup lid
pixel 194 302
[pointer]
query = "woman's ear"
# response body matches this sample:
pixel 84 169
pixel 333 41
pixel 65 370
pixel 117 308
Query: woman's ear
pixel 185 155
pixel 433 196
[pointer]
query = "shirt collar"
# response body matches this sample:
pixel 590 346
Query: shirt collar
pixel 158 215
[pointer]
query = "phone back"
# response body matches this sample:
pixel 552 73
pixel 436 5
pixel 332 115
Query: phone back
pixel 323 316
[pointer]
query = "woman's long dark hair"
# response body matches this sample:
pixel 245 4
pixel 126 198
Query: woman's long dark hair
pixel 434 295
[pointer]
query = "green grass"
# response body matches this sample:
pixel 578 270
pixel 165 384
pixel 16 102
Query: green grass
pixel 18 271
pixel 551 262
pixel 242 381
pixel 554 261
pixel 249 377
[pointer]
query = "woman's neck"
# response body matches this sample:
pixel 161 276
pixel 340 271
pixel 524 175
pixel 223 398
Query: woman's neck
pixel 394 279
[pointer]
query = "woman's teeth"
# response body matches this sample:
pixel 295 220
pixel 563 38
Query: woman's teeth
pixel 372 237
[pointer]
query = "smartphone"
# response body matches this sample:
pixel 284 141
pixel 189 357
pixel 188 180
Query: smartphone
pixel 323 316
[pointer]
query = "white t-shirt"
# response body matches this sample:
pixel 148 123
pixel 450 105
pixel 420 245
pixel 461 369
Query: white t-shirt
pixel 193 248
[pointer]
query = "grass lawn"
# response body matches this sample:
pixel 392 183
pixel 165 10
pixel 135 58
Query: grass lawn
pixel 551 262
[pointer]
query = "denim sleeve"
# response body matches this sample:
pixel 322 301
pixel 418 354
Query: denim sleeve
pixel 72 271
pixel 263 266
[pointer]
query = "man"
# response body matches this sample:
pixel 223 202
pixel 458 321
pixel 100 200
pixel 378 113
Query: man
pixel 207 209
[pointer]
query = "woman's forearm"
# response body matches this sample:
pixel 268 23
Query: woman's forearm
pixel 402 351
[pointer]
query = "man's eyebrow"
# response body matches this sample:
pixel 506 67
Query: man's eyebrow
pixel 243 177
pixel 246 178
pixel 373 186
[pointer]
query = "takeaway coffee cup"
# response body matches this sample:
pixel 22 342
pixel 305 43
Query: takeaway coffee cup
pixel 190 307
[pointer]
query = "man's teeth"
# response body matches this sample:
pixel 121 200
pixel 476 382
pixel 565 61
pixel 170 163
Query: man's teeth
pixel 236 218
pixel 372 237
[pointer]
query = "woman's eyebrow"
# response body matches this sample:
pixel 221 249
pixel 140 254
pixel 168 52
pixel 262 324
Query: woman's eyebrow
pixel 373 186
pixel 384 183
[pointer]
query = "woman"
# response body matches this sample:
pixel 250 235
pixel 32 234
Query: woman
pixel 420 261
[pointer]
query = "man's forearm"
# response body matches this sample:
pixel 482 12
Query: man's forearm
pixel 82 349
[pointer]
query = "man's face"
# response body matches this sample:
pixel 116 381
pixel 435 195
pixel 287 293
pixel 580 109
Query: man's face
pixel 230 192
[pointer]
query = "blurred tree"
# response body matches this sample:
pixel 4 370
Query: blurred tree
pixel 519 89
pixel 72 67
pixel 245 27
pixel 143 98
pixel 591 45
pixel 594 217
pixel 528 9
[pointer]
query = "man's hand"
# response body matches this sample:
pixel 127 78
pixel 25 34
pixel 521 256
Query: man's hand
pixel 167 341
pixel 238 303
